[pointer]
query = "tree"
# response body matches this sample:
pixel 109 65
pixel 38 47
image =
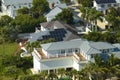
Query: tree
pixel 12 71
pixel 66 16
pixel 5 20
pixel 41 6
pixel 113 18
pixel 26 23
pixel 66 1
pixel 86 3
pixel 23 10
pixel 93 18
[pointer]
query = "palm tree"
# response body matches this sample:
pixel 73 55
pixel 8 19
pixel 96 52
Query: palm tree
pixel 61 72
pixel 52 76
pixel 93 18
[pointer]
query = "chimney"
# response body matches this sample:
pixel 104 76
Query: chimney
pixel 52 5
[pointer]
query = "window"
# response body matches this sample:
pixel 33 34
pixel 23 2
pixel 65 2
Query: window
pixel 92 55
pixel 76 50
pixel 115 5
pixel 62 51
pixel 19 6
pixel 14 6
pixel 102 5
pixel 69 50
pixel 109 5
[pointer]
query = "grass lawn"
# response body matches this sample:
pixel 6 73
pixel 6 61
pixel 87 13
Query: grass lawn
pixel 8 48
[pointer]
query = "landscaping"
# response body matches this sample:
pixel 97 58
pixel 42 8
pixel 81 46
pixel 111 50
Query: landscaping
pixel 8 48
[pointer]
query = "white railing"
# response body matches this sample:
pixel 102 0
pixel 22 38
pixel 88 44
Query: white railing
pixel 76 56
pixel 36 52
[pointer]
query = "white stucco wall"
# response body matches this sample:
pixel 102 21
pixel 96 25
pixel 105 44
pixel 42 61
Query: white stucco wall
pixel 36 63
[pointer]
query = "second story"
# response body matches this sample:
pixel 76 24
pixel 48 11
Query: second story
pixel 11 6
pixel 80 48
pixel 103 5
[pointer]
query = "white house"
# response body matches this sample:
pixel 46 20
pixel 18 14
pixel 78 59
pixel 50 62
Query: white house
pixel 69 54
pixel 103 5
pixel 11 6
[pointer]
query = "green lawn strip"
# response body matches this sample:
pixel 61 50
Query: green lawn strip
pixel 8 48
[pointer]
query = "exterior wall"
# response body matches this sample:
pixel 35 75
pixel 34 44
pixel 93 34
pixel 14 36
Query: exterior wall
pixel 43 29
pixel 57 63
pixel 36 64
pixel 100 7
pixel 76 65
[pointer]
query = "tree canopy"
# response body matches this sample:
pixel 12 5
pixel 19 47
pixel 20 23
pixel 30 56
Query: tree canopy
pixel 66 16
pixel 41 6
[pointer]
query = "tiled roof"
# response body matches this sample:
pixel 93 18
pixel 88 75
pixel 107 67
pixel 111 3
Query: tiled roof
pixel 105 1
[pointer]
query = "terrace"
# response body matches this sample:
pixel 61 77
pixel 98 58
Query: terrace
pixel 42 55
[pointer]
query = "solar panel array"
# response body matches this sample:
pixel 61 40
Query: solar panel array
pixel 57 34
pixel 105 1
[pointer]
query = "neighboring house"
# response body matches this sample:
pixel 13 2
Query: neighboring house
pixel 51 15
pixel 56 7
pixel 104 5
pixel 69 54
pixel 10 7
pixel 54 29
pixel 55 11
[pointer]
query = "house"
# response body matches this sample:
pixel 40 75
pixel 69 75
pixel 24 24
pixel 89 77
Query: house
pixel 51 15
pixel 69 54
pixel 10 7
pixel 58 30
pixel 104 5
pixel 54 11
pixel 56 7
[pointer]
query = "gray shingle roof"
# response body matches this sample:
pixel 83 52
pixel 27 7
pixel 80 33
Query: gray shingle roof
pixel 50 25
pixel 12 2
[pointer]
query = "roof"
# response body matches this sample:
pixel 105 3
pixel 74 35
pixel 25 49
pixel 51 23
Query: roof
pixel 101 45
pixel 117 45
pixel 12 2
pixel 38 35
pixel 105 1
pixel 52 24
pixel 62 6
pixel 54 12
pixel 62 45
pixel 53 1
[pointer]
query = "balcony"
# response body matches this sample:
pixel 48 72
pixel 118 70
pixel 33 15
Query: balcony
pixel 76 56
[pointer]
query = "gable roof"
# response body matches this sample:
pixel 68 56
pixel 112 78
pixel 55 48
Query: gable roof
pixel 12 2
pixel 50 25
pixel 105 1
pixel 53 12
